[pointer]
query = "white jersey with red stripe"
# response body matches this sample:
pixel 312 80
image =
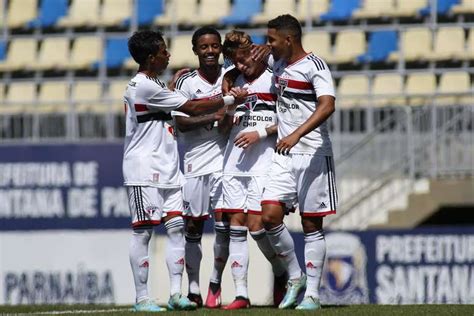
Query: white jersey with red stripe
pixel 202 149
pixel 298 87
pixel 257 112
pixel 150 152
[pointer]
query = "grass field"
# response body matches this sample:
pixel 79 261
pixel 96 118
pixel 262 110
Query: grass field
pixel 355 310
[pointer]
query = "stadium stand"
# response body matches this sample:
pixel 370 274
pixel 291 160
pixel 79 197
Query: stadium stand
pixel 242 12
pixel 116 52
pixel 147 11
pixel 420 88
pixel 115 12
pixel 464 7
pixel 53 97
pixel 179 12
pixel 414 44
pixel 21 52
pixel 19 96
pixel 353 90
pixel 452 87
pixel 20 12
pixel 340 10
pixel 407 8
pixel 53 54
pixel 387 89
pixel 468 53
pixel 381 44
pixel 442 7
pixel 374 9
pixel 448 43
pixel 349 44
pixel 86 52
pixel 319 43
pixel 81 13
pixel 211 11
pixel 181 52
pixel 50 12
pixel 311 8
pixel 274 8
pixel 85 95
pixel 114 95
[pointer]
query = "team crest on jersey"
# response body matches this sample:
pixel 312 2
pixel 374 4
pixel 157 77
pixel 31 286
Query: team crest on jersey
pixel 156 177
pixel 151 209
pixel 282 84
pixel 251 101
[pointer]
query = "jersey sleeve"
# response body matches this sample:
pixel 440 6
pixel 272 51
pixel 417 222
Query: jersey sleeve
pixel 161 98
pixel 322 82
pixel 183 91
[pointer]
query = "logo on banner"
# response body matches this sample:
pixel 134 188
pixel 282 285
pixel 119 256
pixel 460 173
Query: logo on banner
pixel 344 278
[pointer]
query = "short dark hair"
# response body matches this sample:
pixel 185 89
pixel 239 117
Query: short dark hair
pixel 144 43
pixel 204 31
pixel 287 23
pixel 236 40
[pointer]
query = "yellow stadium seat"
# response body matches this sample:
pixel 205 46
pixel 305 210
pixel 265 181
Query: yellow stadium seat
pixel 181 52
pixel 86 95
pixel 115 95
pixel 312 7
pixel 453 88
pixel 374 9
pixel 353 90
pixel 406 8
pixel 449 42
pixel 420 88
pixel 274 8
pixel 211 11
pixel 21 12
pixel 178 11
pixel 349 44
pixel 82 13
pixel 468 53
pixel 466 6
pixel 53 54
pixel 130 64
pixel 415 42
pixel 319 43
pixel 114 12
pixel 21 53
pixel 20 95
pixel 53 97
pixel 387 90
pixel 86 50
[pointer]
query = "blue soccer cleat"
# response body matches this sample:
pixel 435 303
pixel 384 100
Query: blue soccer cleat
pixel 148 305
pixel 309 303
pixel 177 302
pixel 294 288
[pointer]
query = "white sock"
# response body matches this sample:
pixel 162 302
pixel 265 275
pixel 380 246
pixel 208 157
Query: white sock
pixel 239 258
pixel 139 261
pixel 221 251
pixel 175 253
pixel 263 244
pixel 284 246
pixel 314 254
pixel 193 257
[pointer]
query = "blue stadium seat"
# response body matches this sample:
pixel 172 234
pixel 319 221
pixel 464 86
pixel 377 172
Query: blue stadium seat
pixel 340 10
pixel 381 44
pixel 116 52
pixel 442 7
pixel 242 11
pixel 3 50
pixel 147 10
pixel 258 39
pixel 49 13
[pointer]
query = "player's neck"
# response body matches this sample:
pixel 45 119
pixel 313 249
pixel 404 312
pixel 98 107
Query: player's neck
pixel 297 54
pixel 210 73
pixel 258 72
pixel 148 72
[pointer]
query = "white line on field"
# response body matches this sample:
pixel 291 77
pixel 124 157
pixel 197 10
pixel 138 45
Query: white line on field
pixel 84 311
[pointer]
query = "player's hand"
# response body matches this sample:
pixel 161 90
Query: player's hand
pixel 219 115
pixel 179 73
pixel 244 140
pixel 240 94
pixel 286 143
pixel 260 52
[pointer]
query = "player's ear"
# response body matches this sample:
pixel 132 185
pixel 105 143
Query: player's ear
pixel 194 51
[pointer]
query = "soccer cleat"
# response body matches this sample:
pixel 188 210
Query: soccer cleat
pixel 213 299
pixel 293 289
pixel 309 303
pixel 148 305
pixel 177 302
pixel 196 298
pixel 279 288
pixel 240 302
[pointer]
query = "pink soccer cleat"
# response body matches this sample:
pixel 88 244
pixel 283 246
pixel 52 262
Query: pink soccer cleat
pixel 213 299
pixel 240 302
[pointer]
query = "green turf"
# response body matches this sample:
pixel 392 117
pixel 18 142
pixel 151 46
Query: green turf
pixel 355 310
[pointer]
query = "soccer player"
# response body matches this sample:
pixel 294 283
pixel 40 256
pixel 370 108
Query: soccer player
pixel 202 146
pixel 250 147
pixel 302 169
pixel 151 166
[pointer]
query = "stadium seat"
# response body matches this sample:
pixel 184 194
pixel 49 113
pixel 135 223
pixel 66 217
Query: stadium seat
pixel 340 10
pixel 178 11
pixel 456 83
pixel 387 89
pixel 20 95
pixel 49 13
pixel 181 53
pixel 53 97
pixel 442 7
pixel 464 7
pixel 381 44
pixel 115 12
pixel 313 8
pixel 349 44
pixel 115 95
pixel 116 52
pixel 353 90
pixel 407 8
pixel 448 43
pixel 374 9
pixel 242 12
pixel 130 64
pixel 319 43
pixel 21 53
pixel 468 53
pixel 53 54
pixel 86 53
pixel 86 95
pixel 420 88
pixel 3 50
pixel 212 11
pixel 415 42
pixel 258 39
pixel 20 12
pixel 274 8
pixel 147 11
pixel 81 13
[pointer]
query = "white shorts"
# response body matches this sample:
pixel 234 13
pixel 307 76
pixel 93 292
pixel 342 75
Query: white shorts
pixel 243 194
pixel 148 205
pixel 308 180
pixel 201 194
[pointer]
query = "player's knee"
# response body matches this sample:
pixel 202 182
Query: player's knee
pixel 270 221
pixel 194 227
pixel 311 224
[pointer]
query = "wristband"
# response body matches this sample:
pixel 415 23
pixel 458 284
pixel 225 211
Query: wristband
pixel 228 99
pixel 262 132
